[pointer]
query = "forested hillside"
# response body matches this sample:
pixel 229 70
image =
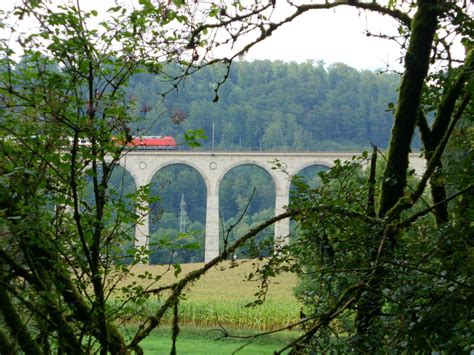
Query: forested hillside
pixel 272 105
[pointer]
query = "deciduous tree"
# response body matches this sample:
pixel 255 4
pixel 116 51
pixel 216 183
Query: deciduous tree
pixel 64 123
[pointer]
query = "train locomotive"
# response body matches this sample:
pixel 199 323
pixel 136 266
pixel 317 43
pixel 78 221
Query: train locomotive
pixel 153 143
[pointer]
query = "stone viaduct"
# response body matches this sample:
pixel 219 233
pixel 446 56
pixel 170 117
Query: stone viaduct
pixel 212 166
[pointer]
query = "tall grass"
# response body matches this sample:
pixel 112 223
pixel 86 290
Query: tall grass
pixel 269 316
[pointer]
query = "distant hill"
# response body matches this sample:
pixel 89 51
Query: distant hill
pixel 272 105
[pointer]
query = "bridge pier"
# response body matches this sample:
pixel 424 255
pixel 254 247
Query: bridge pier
pixel 141 233
pixel 282 199
pixel 142 230
pixel 211 248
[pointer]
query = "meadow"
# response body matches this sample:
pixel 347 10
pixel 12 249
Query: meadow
pixel 201 341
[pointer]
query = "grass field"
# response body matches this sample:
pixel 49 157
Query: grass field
pixel 197 341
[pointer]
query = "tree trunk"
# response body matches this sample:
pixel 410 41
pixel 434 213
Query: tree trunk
pixel 16 325
pixel 417 58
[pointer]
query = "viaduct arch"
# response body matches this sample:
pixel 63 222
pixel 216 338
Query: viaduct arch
pixel 212 166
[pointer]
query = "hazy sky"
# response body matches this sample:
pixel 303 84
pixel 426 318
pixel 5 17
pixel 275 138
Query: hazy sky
pixel 329 35
pixel 333 36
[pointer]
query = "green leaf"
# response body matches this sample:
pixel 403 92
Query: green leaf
pixel 193 136
pixel 177 269
pixel 192 246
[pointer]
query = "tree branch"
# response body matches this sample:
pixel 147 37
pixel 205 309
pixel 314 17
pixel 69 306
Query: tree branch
pixel 371 183
pixel 267 27
pixel 342 304
pixel 405 203
pixel 17 328
pixel 408 221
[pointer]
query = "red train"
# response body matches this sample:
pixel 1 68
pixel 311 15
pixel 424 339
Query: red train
pixel 153 142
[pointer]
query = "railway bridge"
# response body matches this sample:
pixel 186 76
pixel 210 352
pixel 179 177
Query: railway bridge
pixel 212 166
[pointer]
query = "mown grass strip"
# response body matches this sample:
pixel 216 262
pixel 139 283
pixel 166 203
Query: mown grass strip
pixel 196 341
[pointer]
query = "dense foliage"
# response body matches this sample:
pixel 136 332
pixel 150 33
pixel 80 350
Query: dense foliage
pixel 426 291
pixel 65 219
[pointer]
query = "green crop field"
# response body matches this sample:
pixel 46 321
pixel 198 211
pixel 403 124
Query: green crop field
pixel 222 295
